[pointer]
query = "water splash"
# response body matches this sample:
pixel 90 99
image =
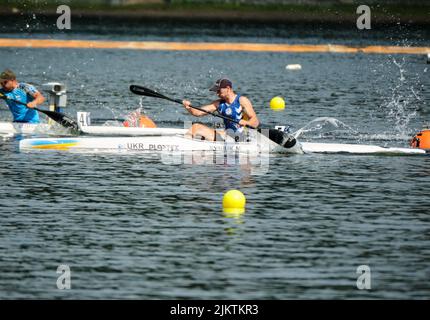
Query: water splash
pixel 403 101
pixel 324 125
pixel 401 70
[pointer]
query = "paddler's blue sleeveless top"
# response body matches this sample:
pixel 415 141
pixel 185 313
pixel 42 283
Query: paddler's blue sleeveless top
pixel 20 112
pixel 233 111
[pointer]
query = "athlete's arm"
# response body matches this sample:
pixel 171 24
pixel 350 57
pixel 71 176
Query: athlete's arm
pixel 38 99
pixel 249 110
pixel 30 90
pixel 210 108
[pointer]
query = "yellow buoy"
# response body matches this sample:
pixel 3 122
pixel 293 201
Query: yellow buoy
pixel 233 202
pixel 277 103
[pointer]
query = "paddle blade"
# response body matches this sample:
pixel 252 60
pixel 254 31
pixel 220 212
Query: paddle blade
pixel 61 118
pixel 151 93
pixel 146 92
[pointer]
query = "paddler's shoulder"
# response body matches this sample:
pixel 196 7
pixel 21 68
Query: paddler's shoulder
pixel 27 87
pixel 244 100
pixel 216 102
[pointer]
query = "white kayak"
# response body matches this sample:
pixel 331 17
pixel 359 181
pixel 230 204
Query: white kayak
pixel 164 142
pixel 307 147
pixel 115 138
pixel 130 131
pixel 312 147
pixel 13 128
pixel 174 143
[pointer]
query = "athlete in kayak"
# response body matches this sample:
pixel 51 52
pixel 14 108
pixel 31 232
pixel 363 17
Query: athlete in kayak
pixel 23 92
pixel 229 104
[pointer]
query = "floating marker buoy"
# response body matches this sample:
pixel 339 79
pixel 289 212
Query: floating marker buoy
pixel 421 140
pixel 277 103
pixel 141 122
pixel 145 122
pixel 233 202
pixel 428 58
pixel 293 67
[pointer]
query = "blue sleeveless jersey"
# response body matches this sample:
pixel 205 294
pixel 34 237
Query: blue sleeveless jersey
pixel 233 111
pixel 20 112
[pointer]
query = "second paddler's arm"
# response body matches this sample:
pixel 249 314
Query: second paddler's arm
pixel 210 108
pixel 249 111
pixel 38 99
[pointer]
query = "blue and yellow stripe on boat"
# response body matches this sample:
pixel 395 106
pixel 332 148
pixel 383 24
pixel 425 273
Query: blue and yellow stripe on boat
pixel 58 144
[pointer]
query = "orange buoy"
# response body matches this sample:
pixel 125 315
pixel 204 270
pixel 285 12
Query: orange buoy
pixel 421 140
pixel 143 122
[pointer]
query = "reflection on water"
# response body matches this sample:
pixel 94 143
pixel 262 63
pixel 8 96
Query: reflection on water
pixel 234 223
pixel 251 162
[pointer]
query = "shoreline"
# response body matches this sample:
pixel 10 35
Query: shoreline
pixel 207 46
pixel 308 14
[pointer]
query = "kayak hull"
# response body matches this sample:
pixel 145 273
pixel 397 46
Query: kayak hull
pixel 165 143
pixel 311 147
pixel 13 128
pixel 130 131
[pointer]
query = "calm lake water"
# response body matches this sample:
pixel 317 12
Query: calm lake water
pixel 133 226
